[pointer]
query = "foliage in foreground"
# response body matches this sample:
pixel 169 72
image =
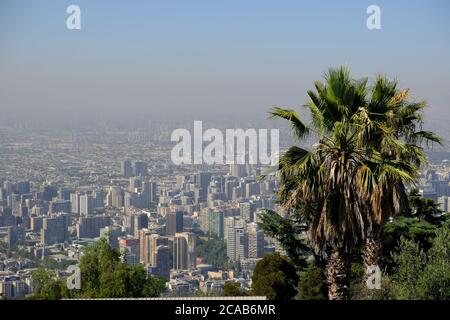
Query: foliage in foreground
pixel 103 275
pixel 275 277
pixel 420 274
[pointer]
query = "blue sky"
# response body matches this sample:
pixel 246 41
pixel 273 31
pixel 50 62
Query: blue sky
pixel 211 58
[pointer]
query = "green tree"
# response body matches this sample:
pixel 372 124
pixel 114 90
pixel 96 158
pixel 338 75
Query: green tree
pixel 287 231
pixel 275 277
pixel 103 275
pixel 213 251
pixel 424 209
pixel 419 274
pixel 46 286
pixel 233 289
pixel 321 180
pixel 352 179
pixel 393 128
pixel 312 284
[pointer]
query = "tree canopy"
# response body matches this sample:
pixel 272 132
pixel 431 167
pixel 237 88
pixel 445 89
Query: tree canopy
pixel 103 275
pixel 275 277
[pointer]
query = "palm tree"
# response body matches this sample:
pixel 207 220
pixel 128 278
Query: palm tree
pixel 323 179
pixel 393 128
pixel 346 172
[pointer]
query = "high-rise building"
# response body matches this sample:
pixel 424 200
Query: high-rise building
pixel 148 244
pixel 55 229
pixel 23 187
pixel 60 206
pixel 238 170
pixel 140 221
pixel 155 242
pixel 145 246
pixel 237 243
pixel 252 188
pixel 162 259
pixel 36 223
pixel 443 203
pixel 115 197
pixel 140 168
pixel 246 211
pixel 86 205
pixel 255 241
pixel 14 287
pixel 184 251
pixel 89 227
pixel 8 186
pixel 98 199
pixel 135 184
pixel 126 169
pixel 131 247
pixel 132 199
pixel 180 255
pixel 149 190
pixel 202 180
pixel 174 222
pixel 75 201
pixel 49 192
pixel 111 234
pixel 64 193
pixel 229 223
pixel 12 236
pixel 216 223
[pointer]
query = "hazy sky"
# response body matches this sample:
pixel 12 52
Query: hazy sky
pixel 203 59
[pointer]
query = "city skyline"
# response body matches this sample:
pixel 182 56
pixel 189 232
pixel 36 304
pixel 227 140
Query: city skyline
pixel 206 60
pixel 289 150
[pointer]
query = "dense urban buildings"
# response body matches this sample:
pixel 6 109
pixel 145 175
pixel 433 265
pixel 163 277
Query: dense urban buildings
pixel 156 214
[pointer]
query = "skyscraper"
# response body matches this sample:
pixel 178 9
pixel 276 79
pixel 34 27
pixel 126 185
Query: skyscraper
pixel 60 206
pixel 98 199
pixel 89 227
pixel 86 205
pixel 54 229
pixel 140 221
pixel 115 196
pixel 216 223
pixel 23 187
pixel 245 209
pixel 135 184
pixel 180 255
pixel 131 246
pixel 75 201
pixel 174 222
pixel 255 241
pixel 140 168
pixel 237 243
pixel 126 169
pixel 153 192
pixel 111 234
pixel 144 246
pixel 148 244
pixel 162 266
pixel 202 181
pixel 238 170
pixel 228 224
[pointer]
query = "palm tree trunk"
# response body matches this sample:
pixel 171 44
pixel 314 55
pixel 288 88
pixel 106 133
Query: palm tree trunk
pixel 336 272
pixel 372 253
